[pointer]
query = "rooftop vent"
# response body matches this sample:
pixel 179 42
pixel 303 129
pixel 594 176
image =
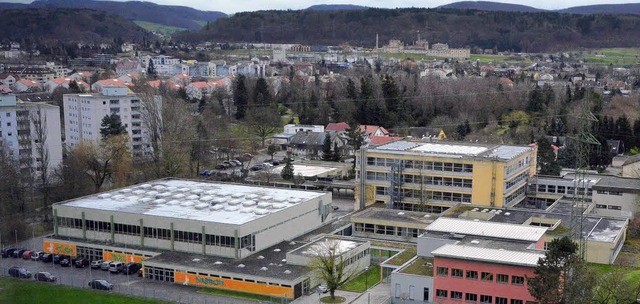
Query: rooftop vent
pixel 475 242
pixel 264 268
pixel 240 265
pixel 507 213
pixel 287 271
pixel 400 213
pixel 260 257
pixel 217 263
pixel 277 250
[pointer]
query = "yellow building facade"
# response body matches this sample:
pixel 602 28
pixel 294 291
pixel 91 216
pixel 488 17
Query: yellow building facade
pixel 433 177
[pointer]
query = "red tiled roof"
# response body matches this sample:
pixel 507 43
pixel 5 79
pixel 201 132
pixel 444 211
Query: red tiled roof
pixel 371 130
pixel 337 126
pixel 380 140
pixel 112 83
pixel 29 83
pixel 200 85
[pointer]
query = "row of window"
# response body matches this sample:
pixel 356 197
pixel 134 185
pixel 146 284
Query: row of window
pixel 472 297
pixel 421 165
pixel 518 193
pixel 558 189
pixel 516 180
pixel 609 192
pixel 484 276
pixel 420 207
pixel 513 168
pixel 436 195
pixel 357 257
pixel 610 207
pixel 247 241
pixel 387 230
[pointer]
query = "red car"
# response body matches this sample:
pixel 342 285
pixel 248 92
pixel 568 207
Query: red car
pixel 27 254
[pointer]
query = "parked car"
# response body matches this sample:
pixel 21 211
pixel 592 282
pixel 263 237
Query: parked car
pixel 115 267
pixel 26 255
pixel 220 167
pixel 100 284
pixel 105 265
pixel 47 258
pixel 229 164
pixel 256 167
pixel 19 272
pixel 18 253
pixel 45 277
pixel 275 163
pixel 237 161
pixel 7 252
pixel 131 268
pixel 59 257
pixel 96 264
pixel 323 288
pixel 66 262
pixel 140 272
pixel 81 263
pixel 204 172
pixel 35 256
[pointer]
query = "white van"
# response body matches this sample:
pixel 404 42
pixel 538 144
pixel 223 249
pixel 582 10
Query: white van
pixel 115 267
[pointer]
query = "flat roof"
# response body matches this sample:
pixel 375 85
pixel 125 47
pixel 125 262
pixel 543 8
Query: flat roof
pixel 491 255
pixel 394 215
pixel 322 247
pixel 268 263
pixel 487 229
pixel 305 170
pixel 196 200
pixel 453 149
pixel 617 183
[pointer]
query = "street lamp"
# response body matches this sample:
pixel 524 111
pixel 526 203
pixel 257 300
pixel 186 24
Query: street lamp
pixel 366 278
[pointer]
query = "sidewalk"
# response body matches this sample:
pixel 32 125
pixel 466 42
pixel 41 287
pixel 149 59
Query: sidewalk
pixel 378 294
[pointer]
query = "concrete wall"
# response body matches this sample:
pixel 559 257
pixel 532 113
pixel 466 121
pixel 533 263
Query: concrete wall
pixel 401 288
pixel 427 244
pixel 627 201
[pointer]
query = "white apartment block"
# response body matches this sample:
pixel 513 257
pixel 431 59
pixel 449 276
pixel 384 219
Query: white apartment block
pixel 20 136
pixel 84 113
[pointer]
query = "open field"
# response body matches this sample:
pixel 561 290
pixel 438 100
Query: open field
pixel 159 28
pixel 27 292
pixel 613 56
pixel 364 281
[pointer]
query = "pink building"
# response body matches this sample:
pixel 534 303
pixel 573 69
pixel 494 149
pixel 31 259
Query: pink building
pixel 473 274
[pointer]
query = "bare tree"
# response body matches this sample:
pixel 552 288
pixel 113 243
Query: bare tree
pixel 39 123
pixel 107 161
pixel 330 266
pixel 263 122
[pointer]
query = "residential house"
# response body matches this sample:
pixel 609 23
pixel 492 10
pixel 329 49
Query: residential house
pixel 283 139
pixel 310 144
pixel 8 79
pixel 167 84
pixel 53 84
pixel 199 90
pixel 129 77
pixel 182 79
pixel 25 85
pixel 82 76
pixel 616 147
pixel 99 85
pixel 426 133
pixel 35 73
pixel 127 66
pixel 631 166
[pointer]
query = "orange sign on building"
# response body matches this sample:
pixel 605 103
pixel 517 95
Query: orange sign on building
pixel 60 248
pixel 248 287
pixel 121 257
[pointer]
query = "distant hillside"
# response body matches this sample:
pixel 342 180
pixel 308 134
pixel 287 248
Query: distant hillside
pixel 335 7
pixel 533 32
pixel 174 16
pixel 628 8
pixel 67 25
pixel 491 6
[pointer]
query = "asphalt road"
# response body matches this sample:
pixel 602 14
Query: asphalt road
pixel 123 284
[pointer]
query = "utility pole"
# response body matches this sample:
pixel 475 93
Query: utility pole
pixel 583 141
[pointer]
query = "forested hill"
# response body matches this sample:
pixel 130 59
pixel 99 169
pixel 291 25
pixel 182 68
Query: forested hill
pixel 67 25
pixel 517 31
pixel 169 15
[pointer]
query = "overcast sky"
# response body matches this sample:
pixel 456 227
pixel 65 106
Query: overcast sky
pixel 233 6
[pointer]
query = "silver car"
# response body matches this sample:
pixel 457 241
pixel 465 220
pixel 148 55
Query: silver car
pixel 105 265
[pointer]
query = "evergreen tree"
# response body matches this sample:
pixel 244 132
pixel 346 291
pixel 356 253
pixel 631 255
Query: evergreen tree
pixel 111 125
pixel 287 172
pixel 240 97
pixel 567 95
pixel 261 94
pixel 327 154
pixel 624 132
pixel 547 158
pixel 636 133
pixel 74 88
pixel 336 155
pixel 151 70
pixel 536 100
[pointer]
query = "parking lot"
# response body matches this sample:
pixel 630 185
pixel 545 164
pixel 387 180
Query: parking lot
pixel 123 284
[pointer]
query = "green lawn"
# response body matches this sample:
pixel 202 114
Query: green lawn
pixel 613 56
pixel 364 281
pixel 240 295
pixel 160 28
pixel 421 266
pixel 28 292
pixel 403 257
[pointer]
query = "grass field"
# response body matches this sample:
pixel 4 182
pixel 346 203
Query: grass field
pixel 159 28
pixel 364 281
pixel 29 292
pixel 240 295
pixel 613 56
